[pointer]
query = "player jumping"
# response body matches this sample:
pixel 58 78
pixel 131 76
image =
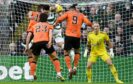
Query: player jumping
pixel 74 20
pixel 42 39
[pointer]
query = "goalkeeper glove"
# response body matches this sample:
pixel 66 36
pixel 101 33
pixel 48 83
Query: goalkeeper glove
pixel 111 53
pixel 85 53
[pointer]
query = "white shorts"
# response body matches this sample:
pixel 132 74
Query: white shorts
pixel 59 39
pixel 57 35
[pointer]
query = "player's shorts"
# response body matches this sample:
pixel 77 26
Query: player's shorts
pixel 57 34
pixel 59 39
pixel 71 42
pixel 37 47
pixel 93 57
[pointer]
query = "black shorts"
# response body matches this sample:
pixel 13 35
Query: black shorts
pixel 71 42
pixel 36 48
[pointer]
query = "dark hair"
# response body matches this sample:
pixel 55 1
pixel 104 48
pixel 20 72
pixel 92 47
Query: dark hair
pixel 40 7
pixel 43 17
pixel 73 6
pixel 46 7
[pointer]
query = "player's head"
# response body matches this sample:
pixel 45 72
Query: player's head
pixel 43 17
pixel 59 8
pixel 40 8
pixel 96 26
pixel 73 7
pixel 44 8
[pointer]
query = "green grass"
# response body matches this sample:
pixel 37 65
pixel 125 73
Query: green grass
pixel 54 83
pixel 46 73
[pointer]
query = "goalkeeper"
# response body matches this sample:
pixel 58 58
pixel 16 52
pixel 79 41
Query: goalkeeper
pixel 96 40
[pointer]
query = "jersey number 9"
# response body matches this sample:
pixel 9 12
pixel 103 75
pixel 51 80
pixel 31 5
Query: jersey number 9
pixel 74 21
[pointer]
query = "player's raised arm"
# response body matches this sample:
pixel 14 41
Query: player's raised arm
pixel 87 46
pixel 28 40
pixel 61 18
pixel 86 20
pixel 50 37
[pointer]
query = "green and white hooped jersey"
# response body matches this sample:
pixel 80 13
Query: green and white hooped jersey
pixel 57 32
pixel 51 20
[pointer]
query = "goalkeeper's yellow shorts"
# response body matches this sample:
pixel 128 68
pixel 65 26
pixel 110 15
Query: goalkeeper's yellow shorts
pixel 93 57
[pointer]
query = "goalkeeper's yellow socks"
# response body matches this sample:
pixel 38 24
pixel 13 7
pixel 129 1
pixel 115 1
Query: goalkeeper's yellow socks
pixel 89 74
pixel 115 74
pixel 68 62
pixel 32 68
pixel 76 60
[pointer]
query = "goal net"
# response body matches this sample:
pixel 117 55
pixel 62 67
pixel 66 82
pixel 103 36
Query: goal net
pixel 114 16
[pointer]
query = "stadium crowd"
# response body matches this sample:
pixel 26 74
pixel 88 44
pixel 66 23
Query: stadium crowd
pixel 115 18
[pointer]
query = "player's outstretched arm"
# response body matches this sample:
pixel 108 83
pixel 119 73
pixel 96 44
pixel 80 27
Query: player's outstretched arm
pixel 60 19
pixel 87 21
pixel 50 38
pixel 111 49
pixel 28 40
pixel 87 46
pixel 85 52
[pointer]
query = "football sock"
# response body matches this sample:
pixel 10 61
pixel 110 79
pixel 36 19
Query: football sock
pixel 76 59
pixel 68 62
pixel 62 47
pixel 89 74
pixel 56 65
pixel 114 72
pixel 32 68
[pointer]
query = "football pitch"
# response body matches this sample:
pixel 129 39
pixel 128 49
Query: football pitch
pixel 47 75
pixel 54 83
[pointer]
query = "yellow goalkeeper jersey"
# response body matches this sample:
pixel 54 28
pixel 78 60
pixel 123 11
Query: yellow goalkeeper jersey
pixel 97 42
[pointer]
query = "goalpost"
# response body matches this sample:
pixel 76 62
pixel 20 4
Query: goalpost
pixel 115 17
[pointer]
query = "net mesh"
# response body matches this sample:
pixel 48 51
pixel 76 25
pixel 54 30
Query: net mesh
pixel 115 17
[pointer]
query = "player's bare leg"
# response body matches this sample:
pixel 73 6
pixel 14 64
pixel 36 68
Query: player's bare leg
pixel 56 64
pixel 68 63
pixel 89 71
pixel 113 71
pixel 76 60
pixel 60 44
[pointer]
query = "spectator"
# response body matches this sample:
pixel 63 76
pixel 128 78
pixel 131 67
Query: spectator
pixel 118 20
pixel 119 41
pixel 118 45
pixel 112 27
pixel 128 31
pixel 119 31
pixel 107 30
pixel 131 46
pixel 93 16
pixel 127 13
pixel 109 13
pixel 1 2
pixel 12 48
pixel 21 44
